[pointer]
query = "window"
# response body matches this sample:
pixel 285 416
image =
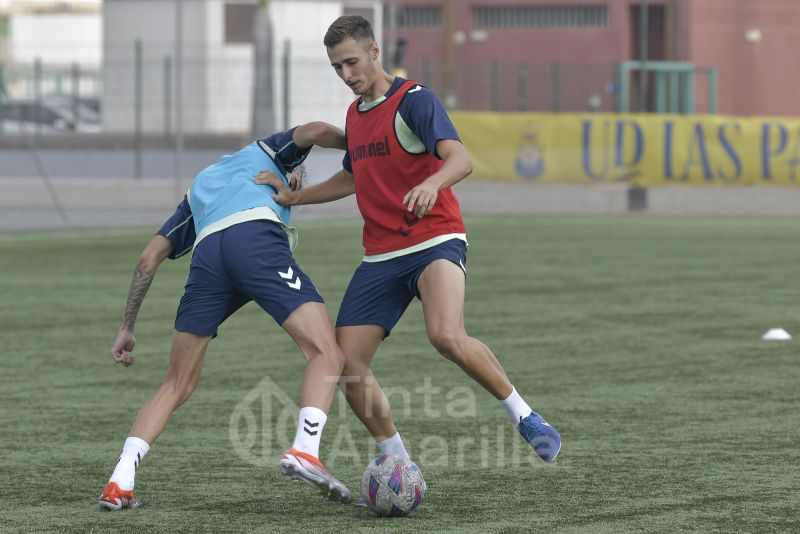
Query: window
pixel 416 16
pixel 577 16
pixel 239 23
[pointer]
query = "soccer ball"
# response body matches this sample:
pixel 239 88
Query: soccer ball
pixel 392 486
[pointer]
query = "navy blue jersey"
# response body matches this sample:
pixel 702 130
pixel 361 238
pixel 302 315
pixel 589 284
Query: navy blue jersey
pixel 287 154
pixel 179 228
pixel 425 116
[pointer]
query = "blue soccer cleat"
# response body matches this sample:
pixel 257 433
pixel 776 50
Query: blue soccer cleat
pixel 545 440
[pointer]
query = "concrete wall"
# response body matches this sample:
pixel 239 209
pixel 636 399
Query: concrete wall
pixel 317 92
pixel 227 77
pixel 755 77
pixel 218 77
pixel 57 39
pixel 153 22
pixel 579 45
pixel 27 204
pixel 588 56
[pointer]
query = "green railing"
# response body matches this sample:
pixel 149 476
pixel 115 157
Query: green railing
pixel 38 79
pixel 675 86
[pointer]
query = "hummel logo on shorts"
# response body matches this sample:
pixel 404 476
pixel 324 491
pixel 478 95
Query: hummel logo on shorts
pixel 288 275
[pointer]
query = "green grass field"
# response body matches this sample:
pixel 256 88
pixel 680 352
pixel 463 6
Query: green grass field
pixel 638 338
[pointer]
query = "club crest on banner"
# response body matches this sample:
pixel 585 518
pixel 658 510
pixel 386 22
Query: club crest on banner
pixel 529 164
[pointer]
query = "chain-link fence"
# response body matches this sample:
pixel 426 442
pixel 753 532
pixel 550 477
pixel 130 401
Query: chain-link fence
pixel 540 87
pixel 125 115
pixel 134 91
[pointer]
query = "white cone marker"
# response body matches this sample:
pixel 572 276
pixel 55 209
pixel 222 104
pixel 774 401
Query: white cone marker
pixel 776 334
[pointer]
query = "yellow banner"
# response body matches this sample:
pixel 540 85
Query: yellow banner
pixel 644 150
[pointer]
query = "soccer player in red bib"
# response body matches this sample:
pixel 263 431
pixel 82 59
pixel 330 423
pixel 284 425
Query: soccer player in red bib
pixel 403 155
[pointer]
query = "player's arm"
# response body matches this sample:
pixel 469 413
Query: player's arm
pixel 338 186
pixel 457 166
pixel 424 114
pixel 174 239
pixel 150 259
pixel 291 152
pixel 320 134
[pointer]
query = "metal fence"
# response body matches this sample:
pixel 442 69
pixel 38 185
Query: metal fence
pixel 134 91
pixel 73 114
pixel 540 87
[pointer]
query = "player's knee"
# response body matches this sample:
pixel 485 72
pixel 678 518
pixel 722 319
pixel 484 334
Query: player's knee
pixel 331 353
pixel 337 357
pixel 448 343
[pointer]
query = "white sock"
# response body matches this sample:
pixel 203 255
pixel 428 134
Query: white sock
pixel 393 445
pixel 516 407
pixel 309 430
pixel 132 453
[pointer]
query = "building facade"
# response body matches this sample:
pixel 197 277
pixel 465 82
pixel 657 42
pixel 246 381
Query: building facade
pixel 218 66
pixel 62 37
pixel 564 55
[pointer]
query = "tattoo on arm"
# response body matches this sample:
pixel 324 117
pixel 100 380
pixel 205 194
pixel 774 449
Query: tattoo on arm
pixel 139 286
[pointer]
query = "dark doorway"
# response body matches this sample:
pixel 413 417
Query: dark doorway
pixel 654 48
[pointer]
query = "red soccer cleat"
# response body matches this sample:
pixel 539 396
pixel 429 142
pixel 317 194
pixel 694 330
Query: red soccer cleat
pixel 306 468
pixel 114 499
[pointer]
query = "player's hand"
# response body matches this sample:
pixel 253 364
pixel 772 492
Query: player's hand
pixel 297 179
pixel 421 199
pixel 123 347
pixel 282 196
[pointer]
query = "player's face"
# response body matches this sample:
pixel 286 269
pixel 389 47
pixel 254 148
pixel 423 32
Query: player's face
pixel 356 65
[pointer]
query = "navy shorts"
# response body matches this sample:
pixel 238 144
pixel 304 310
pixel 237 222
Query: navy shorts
pixel 247 261
pixel 380 292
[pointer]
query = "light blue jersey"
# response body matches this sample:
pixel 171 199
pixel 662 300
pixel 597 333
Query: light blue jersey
pixel 225 193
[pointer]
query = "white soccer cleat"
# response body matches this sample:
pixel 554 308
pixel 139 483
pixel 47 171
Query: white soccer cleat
pixel 300 466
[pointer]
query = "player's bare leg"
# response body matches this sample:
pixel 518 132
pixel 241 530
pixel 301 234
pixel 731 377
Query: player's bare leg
pixel 310 327
pixel 442 289
pixel 183 376
pixel 361 389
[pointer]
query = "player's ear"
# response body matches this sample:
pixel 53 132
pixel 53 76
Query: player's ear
pixel 374 50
